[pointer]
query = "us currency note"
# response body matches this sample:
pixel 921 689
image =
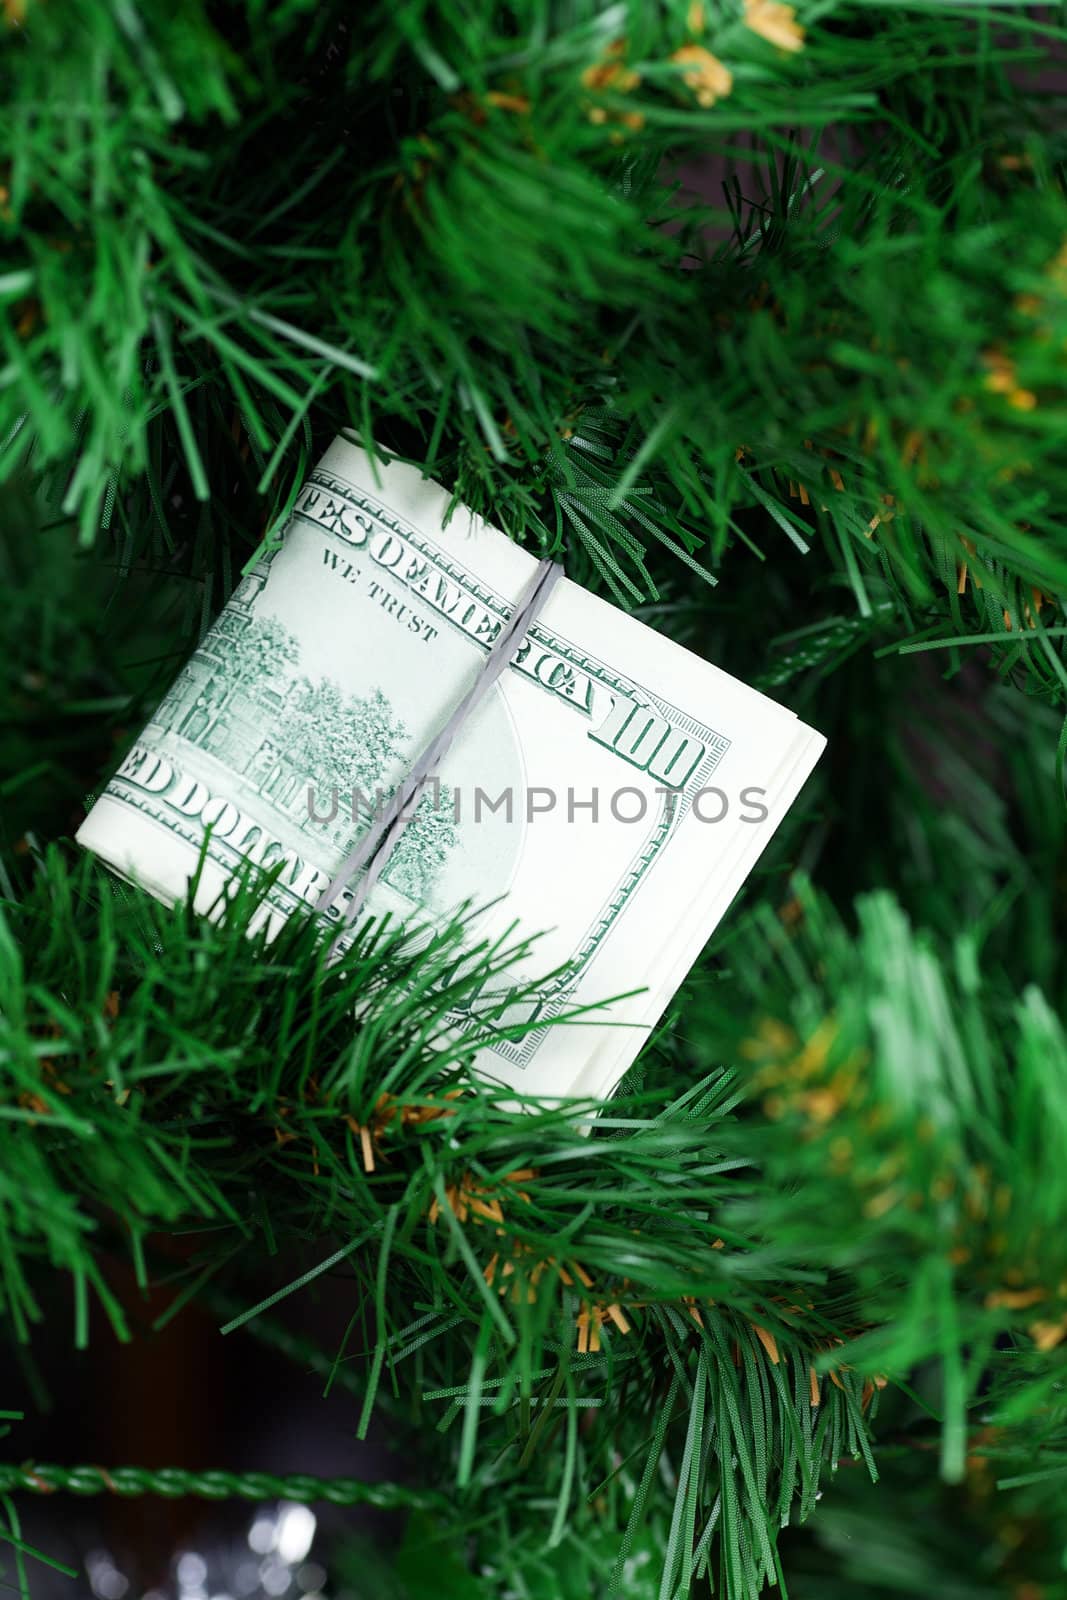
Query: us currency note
pixel 611 793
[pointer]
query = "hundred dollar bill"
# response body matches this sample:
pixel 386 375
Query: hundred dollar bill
pixel 611 793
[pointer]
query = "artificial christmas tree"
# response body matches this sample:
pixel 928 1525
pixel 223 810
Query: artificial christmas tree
pixel 755 318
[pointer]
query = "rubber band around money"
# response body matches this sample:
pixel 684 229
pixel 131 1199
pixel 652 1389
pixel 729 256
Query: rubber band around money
pixel 377 844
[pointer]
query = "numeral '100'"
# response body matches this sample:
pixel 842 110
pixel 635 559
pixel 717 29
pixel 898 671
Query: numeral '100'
pixel 647 741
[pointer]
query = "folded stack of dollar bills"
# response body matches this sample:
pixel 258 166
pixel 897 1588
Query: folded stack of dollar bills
pixel 611 792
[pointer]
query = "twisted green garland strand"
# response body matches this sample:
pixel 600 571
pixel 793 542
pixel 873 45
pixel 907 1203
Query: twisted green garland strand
pixel 175 1482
